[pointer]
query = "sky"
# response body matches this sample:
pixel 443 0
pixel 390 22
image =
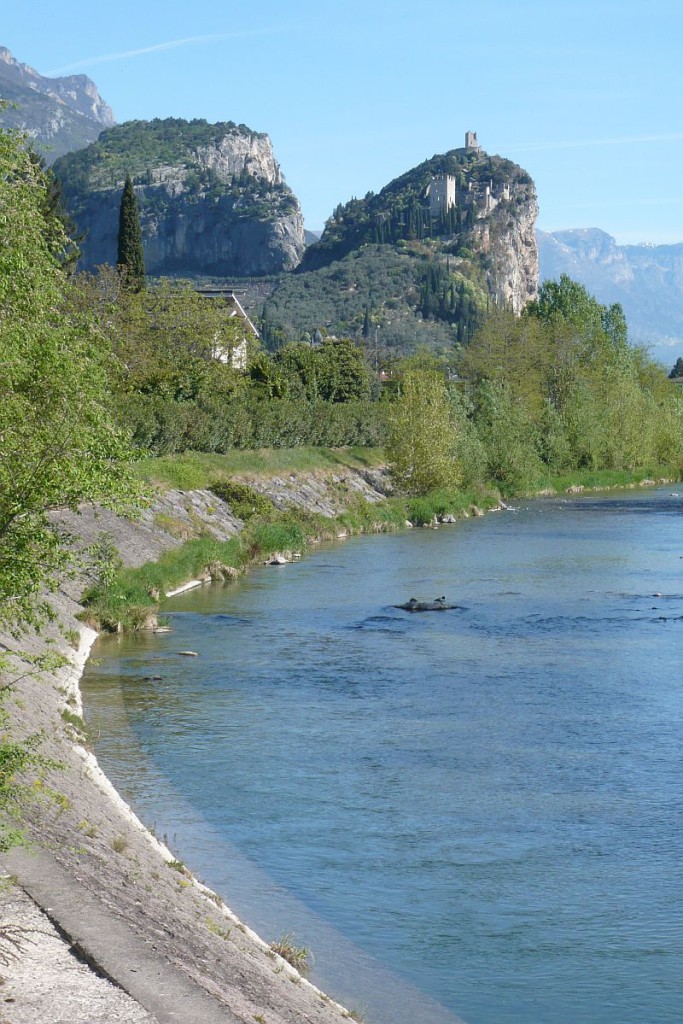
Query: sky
pixel 586 95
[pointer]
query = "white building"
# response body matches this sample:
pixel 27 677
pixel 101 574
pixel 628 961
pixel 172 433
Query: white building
pixel 236 355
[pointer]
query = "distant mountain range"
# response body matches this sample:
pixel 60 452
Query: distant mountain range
pixel 646 279
pixel 60 114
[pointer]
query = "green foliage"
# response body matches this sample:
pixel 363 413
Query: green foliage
pixel 399 212
pixel 14 759
pixel 129 598
pixel 508 437
pixel 165 337
pixel 561 389
pixel 135 146
pixel 452 298
pixel 163 426
pixel 297 956
pixel 385 259
pixel 57 221
pixel 175 395
pixel 373 517
pixel 265 538
pixel 602 479
pixel 334 371
pixel 376 283
pixel 149 151
pixel 244 501
pixel 130 257
pixel 74 720
pixel 197 471
pixel 105 559
pixel 17 757
pixel 422 443
pixel 59 447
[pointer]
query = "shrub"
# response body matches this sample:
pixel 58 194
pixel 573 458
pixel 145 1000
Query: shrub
pixel 244 501
pixel 266 538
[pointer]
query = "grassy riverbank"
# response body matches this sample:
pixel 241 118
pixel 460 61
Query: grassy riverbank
pixel 129 598
pixel 195 470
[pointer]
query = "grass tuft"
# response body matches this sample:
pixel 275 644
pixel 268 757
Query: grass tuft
pixel 298 956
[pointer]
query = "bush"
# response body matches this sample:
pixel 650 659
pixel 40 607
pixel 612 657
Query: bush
pixel 266 538
pixel 244 501
pixel 164 426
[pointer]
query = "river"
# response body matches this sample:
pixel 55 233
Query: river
pixel 473 812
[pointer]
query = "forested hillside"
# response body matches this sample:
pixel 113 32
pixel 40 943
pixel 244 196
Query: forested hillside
pixel 401 210
pixel 407 270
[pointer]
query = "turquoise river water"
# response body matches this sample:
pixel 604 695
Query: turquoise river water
pixel 472 814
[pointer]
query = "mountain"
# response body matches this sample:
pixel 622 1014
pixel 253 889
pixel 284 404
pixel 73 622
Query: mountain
pixel 211 198
pixel 420 261
pixel 646 279
pixel 60 114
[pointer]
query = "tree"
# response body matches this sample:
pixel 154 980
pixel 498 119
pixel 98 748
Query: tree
pixel 367 323
pixel 566 302
pixel 421 449
pixel 64 235
pixel 343 373
pixel 130 255
pixel 334 371
pixel 167 338
pixel 677 369
pixel 59 446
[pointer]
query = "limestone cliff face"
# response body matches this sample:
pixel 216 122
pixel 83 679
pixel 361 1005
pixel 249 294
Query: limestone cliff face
pixel 509 237
pixel 212 199
pixel 238 153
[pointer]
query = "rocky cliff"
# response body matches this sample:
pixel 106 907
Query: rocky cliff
pixel 646 279
pixel 212 198
pixel 419 262
pixel 508 238
pixel 60 114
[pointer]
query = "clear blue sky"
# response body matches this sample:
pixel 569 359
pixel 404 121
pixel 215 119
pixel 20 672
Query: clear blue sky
pixel 585 95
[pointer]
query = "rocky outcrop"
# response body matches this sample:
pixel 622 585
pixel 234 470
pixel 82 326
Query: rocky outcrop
pixel 59 114
pixel 511 242
pixel 421 261
pixel 212 199
pixel 238 153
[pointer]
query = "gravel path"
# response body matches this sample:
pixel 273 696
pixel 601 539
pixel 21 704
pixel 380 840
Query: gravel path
pixel 46 983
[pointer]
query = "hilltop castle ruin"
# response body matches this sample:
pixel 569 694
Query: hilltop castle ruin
pixel 443 191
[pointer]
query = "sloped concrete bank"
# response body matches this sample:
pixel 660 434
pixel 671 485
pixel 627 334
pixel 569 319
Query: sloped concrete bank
pixel 114 892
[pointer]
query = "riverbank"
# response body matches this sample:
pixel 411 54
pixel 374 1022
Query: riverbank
pixel 167 924
pixel 87 832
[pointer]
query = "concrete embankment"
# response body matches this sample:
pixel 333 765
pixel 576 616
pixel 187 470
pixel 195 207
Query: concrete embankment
pixel 114 893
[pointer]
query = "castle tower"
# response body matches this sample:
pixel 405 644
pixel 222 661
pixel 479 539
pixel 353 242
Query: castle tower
pixel 441 194
pixel 471 141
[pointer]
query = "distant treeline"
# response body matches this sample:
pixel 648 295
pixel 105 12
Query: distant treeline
pixel 554 390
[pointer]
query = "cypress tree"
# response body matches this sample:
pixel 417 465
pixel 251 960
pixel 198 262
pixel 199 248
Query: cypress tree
pixel 130 256
pixel 366 323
